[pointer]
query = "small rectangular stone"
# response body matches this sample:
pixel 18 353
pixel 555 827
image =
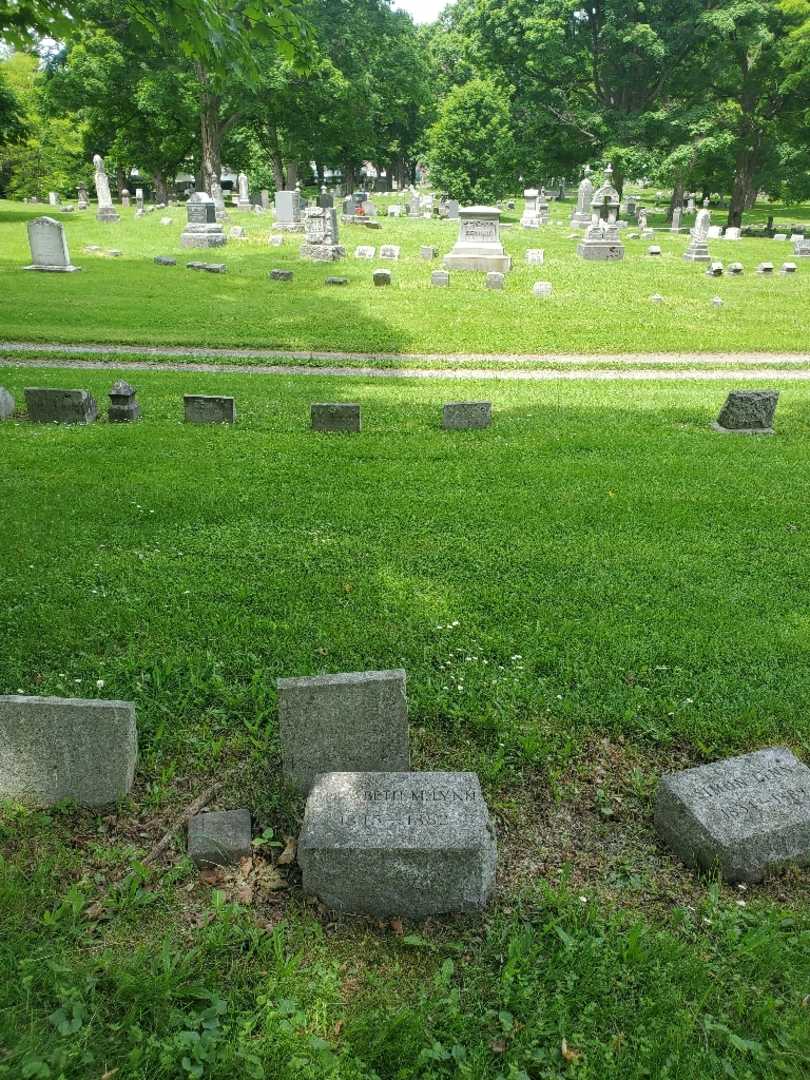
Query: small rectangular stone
pixel 427 252
pixel 381 277
pixel 165 260
pixel 209 409
pixel 345 722
pixel 440 279
pixel 398 843
pixel 219 838
pixel 744 815
pixel 457 415
pixel 55 748
pixel 211 268
pixel 281 275
pixel 47 405
pixel 335 416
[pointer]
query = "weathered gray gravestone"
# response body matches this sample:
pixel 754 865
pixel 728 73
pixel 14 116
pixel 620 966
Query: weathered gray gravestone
pixel 281 275
pixel 478 246
pixel 66 748
pixel 466 414
pixel 47 405
pixel 440 278
pixel 744 815
pixel 748 412
pixel 389 251
pixel 202 228
pixel 48 244
pixel 356 721
pixel 335 416
pixel 398 843
pixel 123 406
pixel 7 404
pixel 219 838
pixel 321 235
pixel 106 211
pixel 209 409
pixel 381 277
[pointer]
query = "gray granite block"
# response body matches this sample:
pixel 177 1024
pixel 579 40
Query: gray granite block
pixel 466 414
pixel 744 815
pixel 66 748
pixel 219 838
pixel 209 409
pixel 47 405
pixel 335 416
pixel 7 404
pixel 355 721
pixel 495 280
pixel 381 277
pixel 281 275
pixel 428 252
pixel 748 412
pixel 165 260
pixel 336 281
pixel 123 405
pixel 398 843
pixel 211 268
pixel 440 278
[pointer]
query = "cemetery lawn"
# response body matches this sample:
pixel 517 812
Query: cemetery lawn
pixel 596 308
pixel 595 590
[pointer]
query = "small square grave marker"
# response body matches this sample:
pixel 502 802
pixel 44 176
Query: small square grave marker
pixel 219 838
pixel 381 277
pixel 457 415
pixel 335 416
pixel 47 405
pixel 209 409
pixel 748 412
pixel 440 278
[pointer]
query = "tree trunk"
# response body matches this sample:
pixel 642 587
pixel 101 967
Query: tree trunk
pixel 161 192
pixel 292 174
pixel 743 188
pixel 210 131
pixel 678 191
pixel 348 178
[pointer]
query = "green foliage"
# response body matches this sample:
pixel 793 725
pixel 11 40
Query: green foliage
pixel 470 146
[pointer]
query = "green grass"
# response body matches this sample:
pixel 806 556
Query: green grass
pixel 618 591
pixel 596 308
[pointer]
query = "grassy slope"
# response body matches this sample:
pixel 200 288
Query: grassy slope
pixel 596 307
pixel 627 589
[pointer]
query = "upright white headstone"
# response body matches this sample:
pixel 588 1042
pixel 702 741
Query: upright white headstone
pixel 582 213
pixel 49 250
pixel 106 210
pixel 478 246
pixel 244 195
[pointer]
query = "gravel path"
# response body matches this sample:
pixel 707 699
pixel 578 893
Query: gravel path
pixel 470 374
pixel 575 359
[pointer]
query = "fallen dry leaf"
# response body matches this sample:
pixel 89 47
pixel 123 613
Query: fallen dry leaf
pixel 94 911
pixel 498 1046
pixel 109 1074
pixel 397 927
pixel 338 1027
pixel 569 1053
pixel 213 875
pixel 288 854
pixel 244 894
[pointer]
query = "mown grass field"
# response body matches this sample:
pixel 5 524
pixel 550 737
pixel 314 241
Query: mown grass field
pixel 593 591
pixel 595 308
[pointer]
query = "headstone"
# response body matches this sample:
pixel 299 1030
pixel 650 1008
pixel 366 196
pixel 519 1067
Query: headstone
pixel 369 208
pixel 202 228
pixel 765 268
pixel 715 270
pixel 478 246
pixel 398 843
pixel 582 211
pixel 748 411
pixel 170 221
pixel 281 275
pixel 735 268
pixel 209 409
pixel 535 256
pixel 453 209
pixel 744 815
pixel 321 235
pixel 54 749
pixel 653 249
pixel 106 210
pixel 288 211
pixel 676 220
pixel 336 281
pixel 219 201
pixel 236 232
pixel 440 278
pixel 53 198
pixel 48 244
pixel 83 201
pixel 335 417
pixel 264 197
pixel 717 301
pixel 48 405
pixel 381 277
pixel 530 218
pixel 165 260
pixel 125 198
pixel 243 200
pixel 494 280
pixel 457 415
pixel 631 207
pixel 206 267
pixel 325 200
pixel 428 252
pixel 395 210
pixel 542 289
pixel 275 241
pixel 795 237
pixel 690 205
pixel 715 232
pixel 656 298
pixel 355 721
pixel 698 250
pixel 139 199
pixel 780 236
pixel 219 838
pixel 364 251
pixel 7 404
pixel 601 241
pixel 732 233
pixel 389 251
pixel 789 268
pixel 801 249
pixel 123 405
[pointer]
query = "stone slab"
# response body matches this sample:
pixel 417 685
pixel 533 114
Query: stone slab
pixel 600 250
pixel 165 260
pixel 219 838
pixel 389 251
pixel 398 843
pixel 744 815
pixel 748 412
pixel 335 416
pixel 54 748
pixel 7 404
pixel 336 281
pixel 427 252
pixel 211 268
pixel 281 275
pixel 355 721
pixel 48 405
pixel 457 415
pixel 494 280
pixel 209 409
pixel 381 277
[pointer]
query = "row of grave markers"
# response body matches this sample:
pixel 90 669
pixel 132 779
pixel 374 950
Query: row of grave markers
pixel 744 411
pixel 377 837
